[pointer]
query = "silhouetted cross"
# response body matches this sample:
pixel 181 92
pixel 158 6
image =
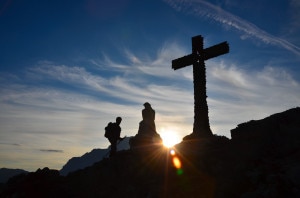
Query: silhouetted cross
pixel 199 55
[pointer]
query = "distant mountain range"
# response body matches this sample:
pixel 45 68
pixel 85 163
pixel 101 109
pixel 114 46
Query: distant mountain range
pixel 75 163
pixel 88 159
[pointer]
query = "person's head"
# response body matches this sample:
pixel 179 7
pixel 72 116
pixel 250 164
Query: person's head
pixel 118 120
pixel 147 105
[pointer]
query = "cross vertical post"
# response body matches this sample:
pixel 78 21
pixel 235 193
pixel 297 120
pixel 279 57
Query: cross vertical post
pixel 201 126
pixel 201 120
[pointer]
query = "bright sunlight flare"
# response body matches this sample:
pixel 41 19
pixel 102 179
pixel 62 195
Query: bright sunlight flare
pixel 169 138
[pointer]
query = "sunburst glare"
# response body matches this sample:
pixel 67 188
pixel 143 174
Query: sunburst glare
pixel 169 137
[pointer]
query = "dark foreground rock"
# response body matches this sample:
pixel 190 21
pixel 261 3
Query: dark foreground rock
pixel 261 160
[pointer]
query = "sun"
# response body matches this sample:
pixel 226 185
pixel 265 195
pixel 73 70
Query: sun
pixel 169 138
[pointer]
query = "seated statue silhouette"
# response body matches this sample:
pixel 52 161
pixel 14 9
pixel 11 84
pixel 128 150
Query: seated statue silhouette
pixel 147 130
pixel 147 125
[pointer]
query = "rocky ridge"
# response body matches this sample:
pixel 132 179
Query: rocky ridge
pixel 261 160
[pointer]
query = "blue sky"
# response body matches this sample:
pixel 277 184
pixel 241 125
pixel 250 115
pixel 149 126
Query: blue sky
pixel 67 68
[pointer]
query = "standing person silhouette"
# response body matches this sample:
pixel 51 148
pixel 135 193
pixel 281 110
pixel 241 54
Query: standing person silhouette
pixel 113 132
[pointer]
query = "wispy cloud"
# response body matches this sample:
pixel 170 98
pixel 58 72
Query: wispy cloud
pixel 37 113
pixel 171 92
pixel 52 150
pixel 201 8
pixel 10 144
pixel 244 95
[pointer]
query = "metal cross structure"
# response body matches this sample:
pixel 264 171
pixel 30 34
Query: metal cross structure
pixel 196 58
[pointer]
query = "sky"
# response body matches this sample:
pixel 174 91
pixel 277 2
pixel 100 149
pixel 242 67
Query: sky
pixel 67 68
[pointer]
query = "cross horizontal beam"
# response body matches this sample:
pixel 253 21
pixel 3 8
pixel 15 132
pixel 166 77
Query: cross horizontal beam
pixel 183 61
pixel 216 50
pixel 208 53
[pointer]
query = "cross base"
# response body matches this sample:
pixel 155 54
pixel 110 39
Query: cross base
pixel 197 135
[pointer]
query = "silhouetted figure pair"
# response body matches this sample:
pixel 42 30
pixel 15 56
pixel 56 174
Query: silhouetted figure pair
pixel 112 133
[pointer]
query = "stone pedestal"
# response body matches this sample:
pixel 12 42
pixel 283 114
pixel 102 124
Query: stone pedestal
pixel 146 136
